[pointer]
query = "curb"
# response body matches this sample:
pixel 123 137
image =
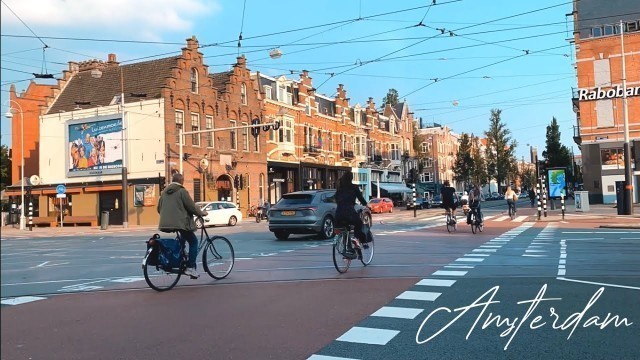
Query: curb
pixel 620 226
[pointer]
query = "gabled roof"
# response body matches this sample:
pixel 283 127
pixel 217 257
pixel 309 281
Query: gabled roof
pixel 220 80
pixel 146 77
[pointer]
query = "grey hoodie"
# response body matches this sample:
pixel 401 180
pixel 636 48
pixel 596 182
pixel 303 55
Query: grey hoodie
pixel 176 209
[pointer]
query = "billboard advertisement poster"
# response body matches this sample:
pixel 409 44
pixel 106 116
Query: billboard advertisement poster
pixel 144 195
pixel 94 146
pixel 557 182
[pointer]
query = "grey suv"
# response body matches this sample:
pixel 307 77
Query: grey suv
pixel 308 212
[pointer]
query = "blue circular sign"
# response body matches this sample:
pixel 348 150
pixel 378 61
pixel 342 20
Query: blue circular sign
pixel 61 189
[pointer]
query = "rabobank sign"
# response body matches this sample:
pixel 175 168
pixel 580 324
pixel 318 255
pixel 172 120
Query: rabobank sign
pixel 602 94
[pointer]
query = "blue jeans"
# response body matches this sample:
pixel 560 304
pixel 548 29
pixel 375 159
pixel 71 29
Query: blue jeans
pixel 192 239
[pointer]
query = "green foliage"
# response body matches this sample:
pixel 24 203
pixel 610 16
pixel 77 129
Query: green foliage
pixel 418 139
pixel 463 166
pixel 391 98
pixel 555 153
pixel 479 174
pixel 5 167
pixel 501 161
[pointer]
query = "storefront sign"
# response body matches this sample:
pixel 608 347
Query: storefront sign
pixel 94 147
pixel 602 94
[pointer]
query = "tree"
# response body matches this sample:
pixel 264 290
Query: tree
pixel 556 154
pixel 500 149
pixel 479 175
pixel 421 155
pixel 5 167
pixel 463 166
pixel 391 98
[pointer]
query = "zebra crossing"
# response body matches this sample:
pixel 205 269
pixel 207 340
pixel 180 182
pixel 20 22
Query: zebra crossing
pixel 497 218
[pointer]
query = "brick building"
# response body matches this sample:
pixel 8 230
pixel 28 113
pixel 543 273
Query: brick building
pixel 442 144
pixel 598 99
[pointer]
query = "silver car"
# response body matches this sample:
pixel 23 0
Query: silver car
pixel 308 212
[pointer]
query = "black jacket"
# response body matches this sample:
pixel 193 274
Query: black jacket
pixel 346 199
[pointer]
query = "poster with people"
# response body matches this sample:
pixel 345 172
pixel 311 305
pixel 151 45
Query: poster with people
pixel 94 147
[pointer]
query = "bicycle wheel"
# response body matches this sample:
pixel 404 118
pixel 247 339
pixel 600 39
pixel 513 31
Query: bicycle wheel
pixel 481 226
pixel 157 278
pixel 339 260
pixel 473 223
pixel 450 226
pixel 366 252
pixel 218 257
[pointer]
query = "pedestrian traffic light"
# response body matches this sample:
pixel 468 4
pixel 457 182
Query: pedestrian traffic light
pixel 236 182
pixel 255 131
pixel 241 182
pixel 186 156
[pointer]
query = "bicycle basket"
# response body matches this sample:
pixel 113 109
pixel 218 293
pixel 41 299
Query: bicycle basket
pixel 165 253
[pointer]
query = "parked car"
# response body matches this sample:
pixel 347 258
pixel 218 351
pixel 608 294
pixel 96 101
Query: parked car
pixel 421 203
pixel 220 213
pixel 380 205
pixel 436 201
pixel 307 212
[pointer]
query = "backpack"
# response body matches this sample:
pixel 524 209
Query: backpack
pixel 165 252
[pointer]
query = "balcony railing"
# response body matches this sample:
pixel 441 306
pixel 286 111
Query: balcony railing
pixel 347 154
pixel 310 149
pixel 577 138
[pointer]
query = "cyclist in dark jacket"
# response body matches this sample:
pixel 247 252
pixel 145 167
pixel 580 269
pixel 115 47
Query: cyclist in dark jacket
pixel 346 196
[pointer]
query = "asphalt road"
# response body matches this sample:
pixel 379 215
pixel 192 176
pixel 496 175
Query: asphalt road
pixel 81 297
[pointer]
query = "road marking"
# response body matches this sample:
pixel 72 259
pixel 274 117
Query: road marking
pixel 587 238
pixel 501 218
pixel 244 258
pixel 420 295
pixel 535 251
pixel 362 335
pixel 322 357
pixel 459 266
pixel 485 250
pixel 562 272
pixel 21 300
pixel 432 218
pixel 531 255
pixel 563 261
pixel 491 246
pixel 601 232
pixel 466 255
pixel 436 282
pixel 563 256
pixel 449 273
pixel 599 284
pixel 520 218
pixel 470 259
pixel 397 312
pixel 128 279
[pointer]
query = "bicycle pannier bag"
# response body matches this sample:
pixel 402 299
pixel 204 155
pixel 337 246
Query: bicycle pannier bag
pixel 169 253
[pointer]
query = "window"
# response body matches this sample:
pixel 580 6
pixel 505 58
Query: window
pixel 209 125
pixel 267 92
pixel 395 152
pixel 194 81
pixel 285 133
pixel 179 124
pixel 233 135
pixel 632 26
pixel 261 189
pixel 195 126
pixel 330 139
pixel 243 94
pixel 245 138
pixel 596 31
pixel 307 107
pixel 608 30
pixel 256 143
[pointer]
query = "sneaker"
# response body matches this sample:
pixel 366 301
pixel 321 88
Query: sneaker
pixel 192 272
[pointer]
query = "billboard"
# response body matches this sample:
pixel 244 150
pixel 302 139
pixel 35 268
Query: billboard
pixel 94 146
pixel 557 182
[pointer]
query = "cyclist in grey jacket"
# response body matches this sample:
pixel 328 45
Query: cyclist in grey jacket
pixel 176 209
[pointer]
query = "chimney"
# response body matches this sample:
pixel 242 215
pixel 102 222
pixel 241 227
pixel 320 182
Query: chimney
pixel 111 60
pixel 192 43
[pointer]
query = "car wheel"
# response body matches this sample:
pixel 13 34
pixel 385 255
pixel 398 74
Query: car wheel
pixel 281 234
pixel 390 210
pixel 327 230
pixel 233 221
pixel 199 224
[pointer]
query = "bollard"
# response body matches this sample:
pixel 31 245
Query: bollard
pixel 562 202
pixel 539 200
pixel 544 195
pixel 30 215
pixel 414 200
pixel 238 198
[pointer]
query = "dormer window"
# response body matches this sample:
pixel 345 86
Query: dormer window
pixel 194 81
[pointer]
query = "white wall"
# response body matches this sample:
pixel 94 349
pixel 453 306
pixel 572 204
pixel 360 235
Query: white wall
pixel 145 155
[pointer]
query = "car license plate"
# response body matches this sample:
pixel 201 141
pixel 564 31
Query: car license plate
pixel 288 213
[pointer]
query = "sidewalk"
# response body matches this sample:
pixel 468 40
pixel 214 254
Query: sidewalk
pixel 606 212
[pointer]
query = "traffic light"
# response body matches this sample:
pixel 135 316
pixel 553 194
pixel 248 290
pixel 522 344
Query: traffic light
pixel 241 182
pixel 236 182
pixel 186 156
pixel 255 131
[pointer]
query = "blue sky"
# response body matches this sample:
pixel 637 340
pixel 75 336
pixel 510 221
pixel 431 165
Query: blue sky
pixel 486 58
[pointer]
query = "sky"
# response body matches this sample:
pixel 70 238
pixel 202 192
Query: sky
pixel 453 61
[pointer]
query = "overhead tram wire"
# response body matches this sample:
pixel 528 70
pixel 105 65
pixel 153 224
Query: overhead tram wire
pixel 244 6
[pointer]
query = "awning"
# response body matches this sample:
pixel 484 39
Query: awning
pixel 394 188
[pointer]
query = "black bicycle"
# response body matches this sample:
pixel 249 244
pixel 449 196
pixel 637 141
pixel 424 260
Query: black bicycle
pixel 512 209
pixel 218 259
pixel 451 221
pixel 342 260
pixel 477 223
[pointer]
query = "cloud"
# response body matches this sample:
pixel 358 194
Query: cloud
pixel 139 19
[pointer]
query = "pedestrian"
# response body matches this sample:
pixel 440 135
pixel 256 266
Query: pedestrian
pixel 532 197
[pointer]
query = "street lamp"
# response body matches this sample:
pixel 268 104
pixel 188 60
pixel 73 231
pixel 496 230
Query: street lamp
pixel 9 116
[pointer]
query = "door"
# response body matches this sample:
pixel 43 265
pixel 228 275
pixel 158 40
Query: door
pixel 108 201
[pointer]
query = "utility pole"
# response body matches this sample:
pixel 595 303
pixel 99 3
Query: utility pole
pixel 628 184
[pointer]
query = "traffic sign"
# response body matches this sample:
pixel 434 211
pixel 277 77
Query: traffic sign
pixel 61 196
pixel 61 189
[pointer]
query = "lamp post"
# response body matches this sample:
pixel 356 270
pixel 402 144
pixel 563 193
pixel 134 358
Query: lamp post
pixel 628 173
pixel 9 116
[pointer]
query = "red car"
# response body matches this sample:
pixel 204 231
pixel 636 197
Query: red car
pixel 381 205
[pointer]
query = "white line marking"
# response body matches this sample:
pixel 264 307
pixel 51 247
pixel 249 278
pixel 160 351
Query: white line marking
pixel 485 250
pixel 599 284
pixel 449 273
pixel 243 258
pixel 397 312
pixel 520 218
pixel 562 272
pixel 322 357
pixel 491 246
pixel 531 255
pixel 419 295
pixel 459 266
pixel 436 282
pixel 466 255
pixel 563 261
pixel 471 259
pixel 21 300
pixel 501 218
pixel 563 256
pixel 362 335
pixel 586 238
pixel 601 232
pixel 128 279
pixel 561 267
pixel 535 251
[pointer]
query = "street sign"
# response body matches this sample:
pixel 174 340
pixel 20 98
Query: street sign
pixel 278 180
pixel 61 196
pixel 61 189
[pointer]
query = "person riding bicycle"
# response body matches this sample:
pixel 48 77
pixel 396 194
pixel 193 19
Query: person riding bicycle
pixel 265 210
pixel 475 197
pixel 346 195
pixel 511 198
pixel 449 198
pixel 176 209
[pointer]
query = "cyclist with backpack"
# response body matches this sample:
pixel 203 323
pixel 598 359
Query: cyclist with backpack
pixel 475 197
pixel 177 209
